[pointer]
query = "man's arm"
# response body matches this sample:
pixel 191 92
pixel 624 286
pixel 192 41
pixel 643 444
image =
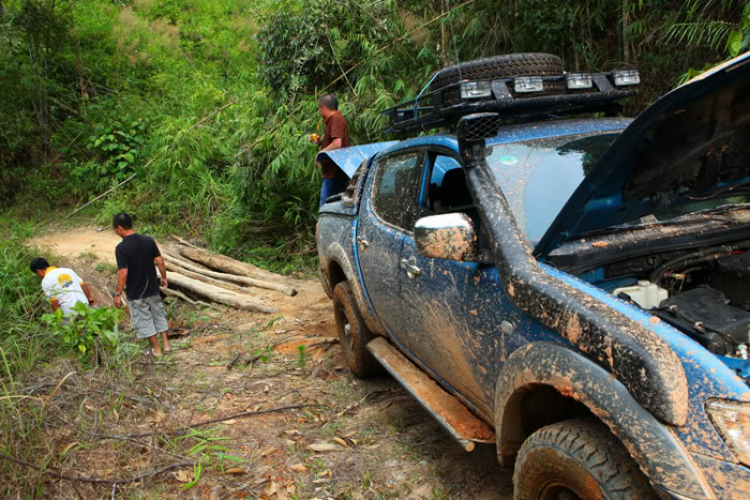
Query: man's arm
pixel 122 278
pixel 335 144
pixel 86 290
pixel 162 270
pixel 55 305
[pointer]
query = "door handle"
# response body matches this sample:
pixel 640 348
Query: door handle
pixel 410 266
pixel 363 242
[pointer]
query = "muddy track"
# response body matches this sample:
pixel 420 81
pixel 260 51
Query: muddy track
pixel 303 427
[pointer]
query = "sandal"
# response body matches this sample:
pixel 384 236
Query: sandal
pixel 150 353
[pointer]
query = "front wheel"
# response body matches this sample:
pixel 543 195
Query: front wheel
pixel 577 459
pixel 353 333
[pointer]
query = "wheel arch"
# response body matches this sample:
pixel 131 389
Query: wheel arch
pixel 339 268
pixel 578 386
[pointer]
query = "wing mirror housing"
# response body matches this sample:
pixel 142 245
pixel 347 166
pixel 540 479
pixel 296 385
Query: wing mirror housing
pixel 447 236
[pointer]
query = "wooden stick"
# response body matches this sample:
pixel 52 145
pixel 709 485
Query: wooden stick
pixel 95 480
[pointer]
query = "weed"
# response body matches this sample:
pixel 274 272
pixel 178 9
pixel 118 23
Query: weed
pixel 302 358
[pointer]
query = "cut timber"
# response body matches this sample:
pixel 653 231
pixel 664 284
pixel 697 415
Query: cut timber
pixel 224 263
pixel 216 294
pixel 233 277
pixel 174 268
pixel 464 426
pixel 180 295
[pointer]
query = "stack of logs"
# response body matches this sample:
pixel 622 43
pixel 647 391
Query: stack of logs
pixel 217 278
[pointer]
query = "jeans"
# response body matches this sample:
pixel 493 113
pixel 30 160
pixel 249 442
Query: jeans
pixel 331 187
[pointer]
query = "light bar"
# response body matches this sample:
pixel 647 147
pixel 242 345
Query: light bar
pixel 528 84
pixel 475 90
pixel 578 81
pixel 626 77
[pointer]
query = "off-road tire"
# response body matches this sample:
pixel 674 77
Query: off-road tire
pixel 505 66
pixel 354 342
pixel 577 456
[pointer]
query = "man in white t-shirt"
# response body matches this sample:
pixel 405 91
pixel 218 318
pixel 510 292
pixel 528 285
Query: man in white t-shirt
pixel 62 286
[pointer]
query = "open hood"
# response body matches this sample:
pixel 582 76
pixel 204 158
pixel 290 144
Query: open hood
pixel 349 159
pixel 693 143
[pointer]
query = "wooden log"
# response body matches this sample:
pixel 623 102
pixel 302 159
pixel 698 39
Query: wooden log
pixel 234 278
pixel 217 294
pixel 172 267
pixel 180 295
pixel 228 265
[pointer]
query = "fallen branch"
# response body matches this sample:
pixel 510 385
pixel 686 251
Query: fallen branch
pixel 234 278
pixel 220 295
pixel 95 480
pixel 172 267
pixel 180 295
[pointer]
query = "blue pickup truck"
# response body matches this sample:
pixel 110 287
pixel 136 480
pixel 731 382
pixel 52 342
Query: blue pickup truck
pixel 569 285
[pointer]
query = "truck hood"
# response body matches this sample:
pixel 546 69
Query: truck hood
pixel 349 159
pixel 693 143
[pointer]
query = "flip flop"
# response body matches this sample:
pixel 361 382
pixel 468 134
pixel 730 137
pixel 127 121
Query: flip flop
pixel 166 351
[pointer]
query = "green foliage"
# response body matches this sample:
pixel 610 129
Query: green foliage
pixel 85 327
pixel 210 103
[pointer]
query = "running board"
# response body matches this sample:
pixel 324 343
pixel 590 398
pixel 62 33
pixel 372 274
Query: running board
pixel 461 424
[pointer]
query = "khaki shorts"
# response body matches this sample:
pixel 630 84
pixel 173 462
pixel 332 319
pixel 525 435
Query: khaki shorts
pixel 148 316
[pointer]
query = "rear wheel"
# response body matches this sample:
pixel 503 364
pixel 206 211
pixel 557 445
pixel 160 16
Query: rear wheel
pixel 353 333
pixel 577 459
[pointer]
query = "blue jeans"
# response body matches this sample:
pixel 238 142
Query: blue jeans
pixel 331 187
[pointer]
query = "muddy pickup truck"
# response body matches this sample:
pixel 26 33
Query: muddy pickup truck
pixel 571 286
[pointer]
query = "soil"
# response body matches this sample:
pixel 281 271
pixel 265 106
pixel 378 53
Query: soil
pixel 333 436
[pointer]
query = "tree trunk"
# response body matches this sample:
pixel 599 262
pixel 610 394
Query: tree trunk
pixel 216 294
pixel 625 24
pixel 174 268
pixel 234 278
pixel 234 267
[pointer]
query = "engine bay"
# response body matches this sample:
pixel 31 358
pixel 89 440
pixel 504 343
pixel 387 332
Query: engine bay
pixel 704 293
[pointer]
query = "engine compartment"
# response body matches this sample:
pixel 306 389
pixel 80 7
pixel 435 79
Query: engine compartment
pixel 704 293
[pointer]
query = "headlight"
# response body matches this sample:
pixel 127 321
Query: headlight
pixel 475 90
pixel 528 84
pixel 732 420
pixel 625 77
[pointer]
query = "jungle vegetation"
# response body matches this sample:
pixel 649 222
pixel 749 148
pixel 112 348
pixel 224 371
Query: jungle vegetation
pixel 204 106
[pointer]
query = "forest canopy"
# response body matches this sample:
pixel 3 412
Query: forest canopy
pixel 202 107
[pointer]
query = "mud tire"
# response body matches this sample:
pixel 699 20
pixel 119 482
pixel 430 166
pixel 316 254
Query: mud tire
pixel 577 457
pixel 354 342
pixel 505 66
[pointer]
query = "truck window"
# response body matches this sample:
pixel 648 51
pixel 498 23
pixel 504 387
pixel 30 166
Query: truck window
pixel 447 190
pixel 396 189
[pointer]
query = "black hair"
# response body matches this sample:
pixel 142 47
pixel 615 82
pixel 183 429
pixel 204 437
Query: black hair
pixel 123 220
pixel 329 101
pixel 39 264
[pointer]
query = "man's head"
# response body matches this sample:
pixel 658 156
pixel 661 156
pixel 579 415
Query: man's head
pixel 39 266
pixel 122 223
pixel 327 105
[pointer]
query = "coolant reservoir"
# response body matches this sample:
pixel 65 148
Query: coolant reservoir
pixel 646 294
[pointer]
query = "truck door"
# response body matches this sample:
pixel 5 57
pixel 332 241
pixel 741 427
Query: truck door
pixel 388 207
pixel 443 299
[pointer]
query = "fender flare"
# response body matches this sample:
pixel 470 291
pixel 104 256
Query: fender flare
pixel 653 446
pixel 337 255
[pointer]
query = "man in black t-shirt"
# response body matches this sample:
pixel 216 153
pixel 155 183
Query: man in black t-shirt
pixel 136 255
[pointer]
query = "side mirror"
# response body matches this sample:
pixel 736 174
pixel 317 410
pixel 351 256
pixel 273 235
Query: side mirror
pixel 447 236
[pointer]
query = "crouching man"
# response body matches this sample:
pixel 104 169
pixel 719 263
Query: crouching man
pixel 136 255
pixel 62 286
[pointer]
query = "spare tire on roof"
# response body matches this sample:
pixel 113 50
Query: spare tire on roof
pixel 505 66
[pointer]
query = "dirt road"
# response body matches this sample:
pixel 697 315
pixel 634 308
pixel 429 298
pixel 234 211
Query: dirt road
pixel 305 427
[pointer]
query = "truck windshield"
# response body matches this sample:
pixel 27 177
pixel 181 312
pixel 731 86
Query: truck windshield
pixel 539 176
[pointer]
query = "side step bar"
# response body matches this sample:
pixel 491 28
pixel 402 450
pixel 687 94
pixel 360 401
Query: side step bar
pixel 462 424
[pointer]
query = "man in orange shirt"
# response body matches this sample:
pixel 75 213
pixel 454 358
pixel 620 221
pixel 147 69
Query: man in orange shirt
pixel 336 136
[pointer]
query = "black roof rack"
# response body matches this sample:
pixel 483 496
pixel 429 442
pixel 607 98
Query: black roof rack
pixel 442 108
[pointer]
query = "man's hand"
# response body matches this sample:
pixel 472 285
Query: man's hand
pixel 118 301
pixel 164 282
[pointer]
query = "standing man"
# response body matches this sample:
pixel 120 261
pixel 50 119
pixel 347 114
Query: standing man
pixel 336 136
pixel 136 255
pixel 62 286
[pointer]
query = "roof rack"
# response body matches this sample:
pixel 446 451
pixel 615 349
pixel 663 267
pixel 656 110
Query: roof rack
pixel 518 98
